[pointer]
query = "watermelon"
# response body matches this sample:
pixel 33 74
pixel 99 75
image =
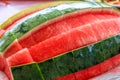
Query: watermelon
pixel 56 43
pixel 30 70
pixel 2 63
pixel 18 58
pixel 46 32
pixel 16 46
pixel 21 57
pixel 78 60
pixel 78 37
pixel 73 62
pixel 45 15
pixel 18 17
pixel 6 40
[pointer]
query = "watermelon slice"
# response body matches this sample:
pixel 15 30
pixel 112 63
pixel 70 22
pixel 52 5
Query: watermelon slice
pixel 78 60
pixel 69 22
pixel 27 42
pixel 74 62
pixel 46 32
pixel 48 16
pixel 12 49
pixel 75 38
pixel 21 57
pixel 2 63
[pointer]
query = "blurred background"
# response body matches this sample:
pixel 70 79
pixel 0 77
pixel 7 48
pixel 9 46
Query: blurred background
pixel 10 7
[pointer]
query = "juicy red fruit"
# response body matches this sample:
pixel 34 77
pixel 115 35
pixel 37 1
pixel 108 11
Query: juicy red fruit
pixel 21 57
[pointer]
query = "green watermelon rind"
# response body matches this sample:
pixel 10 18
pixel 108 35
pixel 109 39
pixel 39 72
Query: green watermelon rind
pixel 95 53
pixel 67 63
pixel 29 11
pixel 44 17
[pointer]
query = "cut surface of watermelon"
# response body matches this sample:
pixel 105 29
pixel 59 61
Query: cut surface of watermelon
pixel 6 40
pixel 78 60
pixel 73 39
pixel 68 23
pixel 12 49
pixel 91 70
pixel 21 57
pixel 2 63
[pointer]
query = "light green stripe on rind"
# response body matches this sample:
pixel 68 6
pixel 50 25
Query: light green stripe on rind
pixel 43 16
pixel 6 40
pixel 27 72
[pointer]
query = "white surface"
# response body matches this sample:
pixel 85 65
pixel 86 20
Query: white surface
pixel 113 74
pixel 3 76
pixel 13 7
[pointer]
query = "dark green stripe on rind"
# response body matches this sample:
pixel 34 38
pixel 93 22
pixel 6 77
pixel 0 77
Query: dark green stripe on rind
pixel 70 62
pixel 81 58
pixel 43 16
pixel 49 69
pixel 27 72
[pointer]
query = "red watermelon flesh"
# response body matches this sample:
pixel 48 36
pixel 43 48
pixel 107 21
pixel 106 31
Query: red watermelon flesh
pixel 75 38
pixel 21 57
pixel 2 63
pixel 115 60
pixel 51 30
pixel 94 70
pixel 27 41
pixel 107 65
pixel 8 71
pixel 104 29
pixel 15 46
pixel 68 22
pixel 1 32
pixel 67 77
